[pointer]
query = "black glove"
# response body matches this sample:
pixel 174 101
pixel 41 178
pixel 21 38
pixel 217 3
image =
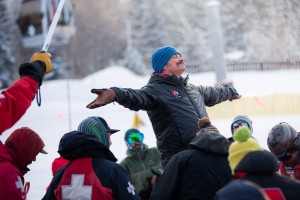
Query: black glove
pixel 235 94
pixel 35 70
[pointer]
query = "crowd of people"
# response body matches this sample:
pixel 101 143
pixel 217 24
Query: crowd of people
pixel 192 160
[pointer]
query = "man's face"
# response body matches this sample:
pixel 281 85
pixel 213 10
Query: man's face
pixel 135 140
pixel 175 65
pixel 239 124
pixel 136 145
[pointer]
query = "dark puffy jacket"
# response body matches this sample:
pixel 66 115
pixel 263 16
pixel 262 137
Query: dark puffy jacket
pixel 91 173
pixel 196 173
pixel 260 168
pixel 174 107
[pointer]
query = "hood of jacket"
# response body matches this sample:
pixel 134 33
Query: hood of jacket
pixel 23 147
pixel 210 142
pixel 258 162
pixel 169 79
pixel 4 155
pixel 77 144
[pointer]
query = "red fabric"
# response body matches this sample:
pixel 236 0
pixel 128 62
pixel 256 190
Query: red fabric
pixel 82 168
pixel 297 171
pixel 292 172
pixel 58 163
pixel 274 193
pixel 23 146
pixel 10 175
pixel 282 169
pixel 15 100
pixel 162 75
pixel 240 174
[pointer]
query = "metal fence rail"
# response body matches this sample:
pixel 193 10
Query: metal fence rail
pixel 196 66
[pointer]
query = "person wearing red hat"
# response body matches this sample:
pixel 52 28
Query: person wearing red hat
pixel 19 151
pixel 15 100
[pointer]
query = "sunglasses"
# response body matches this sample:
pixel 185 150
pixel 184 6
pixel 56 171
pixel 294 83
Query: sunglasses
pixel 135 137
pixel 238 124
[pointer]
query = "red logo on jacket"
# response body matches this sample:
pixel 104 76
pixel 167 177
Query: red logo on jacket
pixel 175 94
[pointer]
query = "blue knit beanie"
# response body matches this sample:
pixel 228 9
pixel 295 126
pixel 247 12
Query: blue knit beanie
pixel 242 118
pixel 94 126
pixel 161 56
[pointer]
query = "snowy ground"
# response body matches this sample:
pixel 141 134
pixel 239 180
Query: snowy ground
pixel 64 101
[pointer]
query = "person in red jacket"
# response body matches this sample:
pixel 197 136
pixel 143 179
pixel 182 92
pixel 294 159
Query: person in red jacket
pixel 15 100
pixel 60 161
pixel 19 151
pixel 92 172
pixel 284 143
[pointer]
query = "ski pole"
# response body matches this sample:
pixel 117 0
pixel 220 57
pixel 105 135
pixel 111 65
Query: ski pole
pixel 48 40
pixel 53 26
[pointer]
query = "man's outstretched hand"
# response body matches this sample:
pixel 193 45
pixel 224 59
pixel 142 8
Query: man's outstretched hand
pixel 105 96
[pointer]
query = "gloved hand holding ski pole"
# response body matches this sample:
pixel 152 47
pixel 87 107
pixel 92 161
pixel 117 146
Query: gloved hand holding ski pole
pixel 40 63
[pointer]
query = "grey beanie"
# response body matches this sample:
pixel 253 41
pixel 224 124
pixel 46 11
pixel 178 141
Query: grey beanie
pixel 242 118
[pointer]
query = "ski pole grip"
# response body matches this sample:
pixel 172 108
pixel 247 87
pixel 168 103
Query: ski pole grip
pixel 45 57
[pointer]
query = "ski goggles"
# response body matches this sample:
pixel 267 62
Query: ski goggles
pixel 135 137
pixel 238 124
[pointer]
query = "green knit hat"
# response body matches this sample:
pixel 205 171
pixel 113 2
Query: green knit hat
pixel 95 126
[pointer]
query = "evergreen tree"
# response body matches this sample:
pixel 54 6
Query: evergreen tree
pixel 6 55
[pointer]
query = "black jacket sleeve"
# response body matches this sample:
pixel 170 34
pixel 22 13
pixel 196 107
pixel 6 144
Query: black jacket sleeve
pixel 218 94
pixel 141 99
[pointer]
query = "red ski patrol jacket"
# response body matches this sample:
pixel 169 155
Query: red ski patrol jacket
pixel 14 158
pixel 290 171
pixel 15 100
pixel 91 174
